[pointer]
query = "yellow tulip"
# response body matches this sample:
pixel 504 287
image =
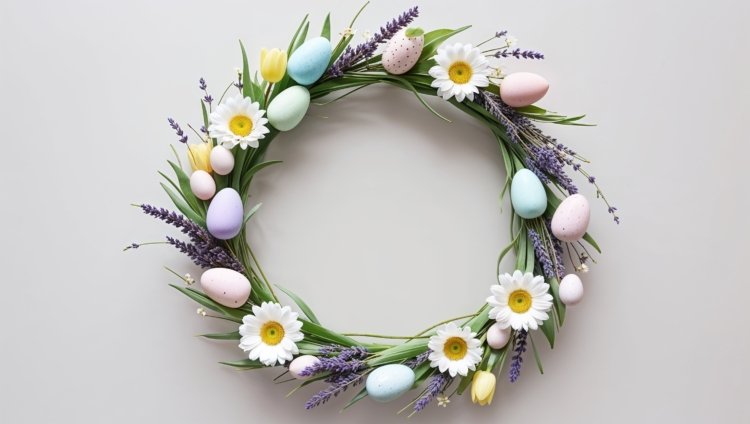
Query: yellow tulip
pixel 272 64
pixel 200 156
pixel 483 387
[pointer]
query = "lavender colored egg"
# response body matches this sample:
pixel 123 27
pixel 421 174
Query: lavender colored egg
pixel 225 213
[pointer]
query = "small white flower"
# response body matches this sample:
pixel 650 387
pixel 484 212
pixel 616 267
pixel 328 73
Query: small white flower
pixel 189 279
pixel 348 32
pixel 271 333
pixel 238 121
pixel 460 70
pixel 454 349
pixel 201 312
pixel 443 400
pixel 520 301
pixel 510 41
pixel 582 268
pixel 366 35
pixel 238 70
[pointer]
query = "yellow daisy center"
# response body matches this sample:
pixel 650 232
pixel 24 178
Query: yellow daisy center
pixel 241 125
pixel 519 301
pixel 272 333
pixel 460 72
pixel 455 348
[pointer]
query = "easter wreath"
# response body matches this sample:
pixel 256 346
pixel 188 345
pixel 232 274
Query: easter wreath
pixel 469 350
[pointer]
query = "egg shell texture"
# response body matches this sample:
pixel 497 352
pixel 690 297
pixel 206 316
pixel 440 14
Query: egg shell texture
pixel 300 363
pixel 202 185
pixel 222 160
pixel 309 61
pixel 527 195
pixel 571 219
pixel 571 290
pixel 388 382
pixel 498 338
pixel 225 214
pixel 402 53
pixel 226 287
pixel 521 89
pixel 288 108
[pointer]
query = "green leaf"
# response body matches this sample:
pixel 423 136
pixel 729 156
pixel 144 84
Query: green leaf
pixel 433 39
pixel 205 115
pixel 412 32
pixel 251 212
pixel 185 190
pixel 183 207
pixel 233 335
pixel 245 364
pixel 559 306
pixel 301 304
pixel 590 240
pixel 292 43
pixel 548 328
pixel 361 395
pixel 248 175
pixel 302 37
pixel 246 82
pixel 536 355
pixel 326 335
pixel 203 300
pixel 326 32
pixel 399 353
pixel 465 382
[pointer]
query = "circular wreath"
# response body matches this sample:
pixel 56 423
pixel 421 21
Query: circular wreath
pixel 548 220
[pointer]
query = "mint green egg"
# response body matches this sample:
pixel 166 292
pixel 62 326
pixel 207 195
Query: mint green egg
pixel 527 195
pixel 388 382
pixel 288 108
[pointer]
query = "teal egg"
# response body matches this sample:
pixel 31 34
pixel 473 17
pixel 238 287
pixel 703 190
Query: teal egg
pixel 527 195
pixel 288 108
pixel 388 382
pixel 309 61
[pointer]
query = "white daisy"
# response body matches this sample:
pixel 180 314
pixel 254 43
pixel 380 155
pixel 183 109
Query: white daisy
pixel 270 333
pixel 520 301
pixel 238 121
pixel 454 349
pixel 460 69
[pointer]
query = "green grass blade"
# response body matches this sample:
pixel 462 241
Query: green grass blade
pixel 301 304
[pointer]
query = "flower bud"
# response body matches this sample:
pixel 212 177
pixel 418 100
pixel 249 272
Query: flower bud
pixel 200 156
pixel 483 387
pixel 272 65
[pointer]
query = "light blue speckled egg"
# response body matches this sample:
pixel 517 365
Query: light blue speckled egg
pixel 224 217
pixel 309 61
pixel 388 382
pixel 527 195
pixel 288 108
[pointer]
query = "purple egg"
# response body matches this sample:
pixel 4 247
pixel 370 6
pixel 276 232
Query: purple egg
pixel 224 217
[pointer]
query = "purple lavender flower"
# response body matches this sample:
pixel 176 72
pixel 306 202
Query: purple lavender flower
pixel 437 384
pixel 501 34
pixel 202 84
pixel 334 365
pixel 418 360
pixel 540 251
pixel 519 54
pixel 204 87
pixel 515 365
pixel 546 162
pixel 203 129
pixel 364 51
pixel 339 385
pixel 558 249
pixel 176 127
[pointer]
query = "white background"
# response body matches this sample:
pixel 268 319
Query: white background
pixel 384 218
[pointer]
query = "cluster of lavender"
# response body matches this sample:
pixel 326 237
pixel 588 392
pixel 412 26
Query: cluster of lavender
pixel 343 365
pixel 515 365
pixel 183 138
pixel 203 248
pixel 418 360
pixel 206 97
pixel 516 53
pixel 363 51
pixel 436 385
pixel 552 269
pixel 545 162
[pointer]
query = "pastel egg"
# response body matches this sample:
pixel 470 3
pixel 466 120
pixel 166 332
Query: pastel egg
pixel 226 287
pixel 288 108
pixel 527 195
pixel 571 290
pixel 202 185
pixel 402 53
pixel 388 382
pixel 300 363
pixel 498 337
pixel 309 61
pixel 521 89
pixel 224 216
pixel 571 218
pixel 222 160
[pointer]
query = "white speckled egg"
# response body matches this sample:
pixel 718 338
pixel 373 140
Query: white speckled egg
pixel 222 160
pixel 571 290
pixel 402 52
pixel 521 89
pixel 226 287
pixel 388 382
pixel 571 218
pixel 498 337
pixel 202 185
pixel 300 363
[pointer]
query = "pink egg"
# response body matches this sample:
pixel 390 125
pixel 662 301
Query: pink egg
pixel 571 290
pixel 571 218
pixel 498 337
pixel 521 89
pixel 202 185
pixel 300 363
pixel 402 53
pixel 226 287
pixel 222 160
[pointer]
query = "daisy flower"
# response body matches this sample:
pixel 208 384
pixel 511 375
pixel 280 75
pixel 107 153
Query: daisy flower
pixel 238 121
pixel 460 69
pixel 520 301
pixel 270 333
pixel 454 349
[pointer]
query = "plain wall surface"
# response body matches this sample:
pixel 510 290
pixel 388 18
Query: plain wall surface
pixel 382 217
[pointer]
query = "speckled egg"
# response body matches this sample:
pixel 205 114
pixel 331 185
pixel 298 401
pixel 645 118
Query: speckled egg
pixel 402 52
pixel 288 108
pixel 571 218
pixel 498 337
pixel 222 160
pixel 202 185
pixel 527 195
pixel 388 382
pixel 571 290
pixel 225 214
pixel 300 363
pixel 310 60
pixel 226 287
pixel 521 89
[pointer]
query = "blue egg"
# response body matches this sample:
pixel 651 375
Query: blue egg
pixel 527 195
pixel 309 61
pixel 224 218
pixel 389 382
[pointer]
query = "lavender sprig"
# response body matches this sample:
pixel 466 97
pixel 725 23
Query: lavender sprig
pixel 364 51
pixel 418 360
pixel 437 384
pixel 515 365
pixel 204 87
pixel 546 162
pixel 519 54
pixel 183 138
pixel 541 254
pixel 557 246
pixel 334 365
pixel 340 384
